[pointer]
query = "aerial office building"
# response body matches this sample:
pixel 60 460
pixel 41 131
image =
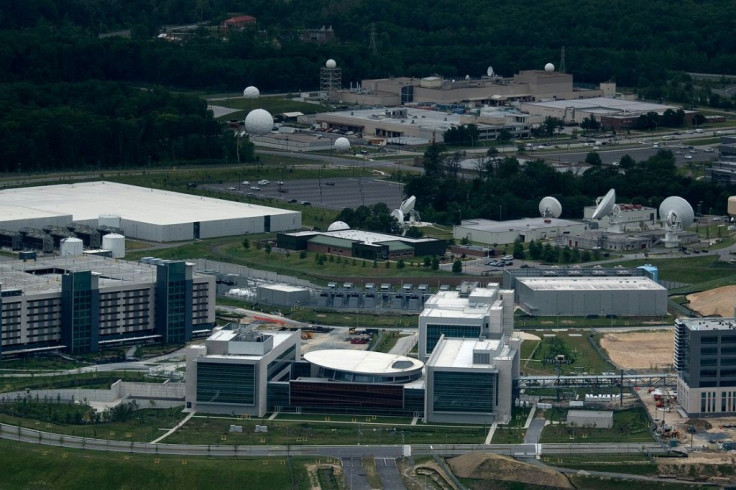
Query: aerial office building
pixel 81 304
pixel 705 361
pixel 471 313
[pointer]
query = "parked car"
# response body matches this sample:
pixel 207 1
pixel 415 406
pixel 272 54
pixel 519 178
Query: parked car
pixel 255 188
pixel 330 183
pixel 231 188
pixel 264 182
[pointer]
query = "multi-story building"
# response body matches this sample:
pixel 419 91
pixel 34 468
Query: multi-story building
pixel 705 361
pixel 471 313
pixel 83 303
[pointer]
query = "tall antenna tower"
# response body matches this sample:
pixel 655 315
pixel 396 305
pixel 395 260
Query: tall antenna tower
pixel 562 60
pixel 372 46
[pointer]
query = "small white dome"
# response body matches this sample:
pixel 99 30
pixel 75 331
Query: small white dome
pixel 251 92
pixel 549 67
pixel 259 121
pixel 331 63
pixel 338 226
pixel 342 144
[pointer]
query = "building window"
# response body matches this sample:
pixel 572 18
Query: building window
pixel 434 332
pixel 464 391
pixel 226 383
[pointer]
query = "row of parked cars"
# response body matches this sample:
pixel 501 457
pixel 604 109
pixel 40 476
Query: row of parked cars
pixel 502 262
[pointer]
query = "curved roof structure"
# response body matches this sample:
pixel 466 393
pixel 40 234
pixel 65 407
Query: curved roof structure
pixel 364 362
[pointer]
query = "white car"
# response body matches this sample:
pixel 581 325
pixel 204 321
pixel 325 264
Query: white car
pixel 245 182
pixel 255 188
pixel 264 182
pixel 688 157
pixel 231 188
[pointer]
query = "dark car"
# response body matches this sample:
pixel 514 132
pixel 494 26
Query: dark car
pixel 330 183
pixel 293 201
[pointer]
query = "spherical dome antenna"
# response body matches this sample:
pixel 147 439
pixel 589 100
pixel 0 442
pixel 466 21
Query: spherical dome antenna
pixel 338 226
pixel 549 67
pixel 342 144
pixel 331 63
pixel 259 121
pixel 549 207
pixel 674 209
pixel 251 92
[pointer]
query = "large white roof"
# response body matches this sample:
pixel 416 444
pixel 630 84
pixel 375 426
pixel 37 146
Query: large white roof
pixel 626 283
pixel 87 201
pixel 363 362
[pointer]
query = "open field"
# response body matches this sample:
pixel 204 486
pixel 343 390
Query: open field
pixel 537 357
pixel 692 270
pixel 51 467
pixel 639 350
pixel 714 302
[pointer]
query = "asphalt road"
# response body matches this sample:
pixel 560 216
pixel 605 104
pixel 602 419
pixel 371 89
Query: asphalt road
pixel 389 473
pixel 534 431
pixel 355 476
pixel 610 155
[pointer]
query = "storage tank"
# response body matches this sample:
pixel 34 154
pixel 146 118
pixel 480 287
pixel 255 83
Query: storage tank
pixel 71 246
pixel 112 220
pixel 115 243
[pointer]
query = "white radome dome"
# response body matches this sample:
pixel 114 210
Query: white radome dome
pixel 251 92
pixel 342 144
pixel 331 63
pixel 338 226
pixel 259 121
pixel 549 67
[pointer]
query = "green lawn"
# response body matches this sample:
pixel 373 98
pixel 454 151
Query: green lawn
pixel 274 105
pixel 211 430
pixel 692 269
pixel 45 467
pixel 147 424
pixel 573 344
pixel 628 426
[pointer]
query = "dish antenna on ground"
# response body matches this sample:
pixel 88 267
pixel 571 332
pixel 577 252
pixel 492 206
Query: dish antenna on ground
pixel 549 207
pixel 489 71
pixel 406 209
pixel 677 215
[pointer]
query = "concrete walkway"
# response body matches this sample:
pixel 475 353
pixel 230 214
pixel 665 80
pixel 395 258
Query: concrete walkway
pixel 405 344
pixel 174 429
pixel 492 431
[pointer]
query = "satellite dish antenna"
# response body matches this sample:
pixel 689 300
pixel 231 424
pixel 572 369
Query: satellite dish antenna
pixel 549 207
pixel 489 71
pixel 677 215
pixel 605 205
pixel 399 215
pixel 408 205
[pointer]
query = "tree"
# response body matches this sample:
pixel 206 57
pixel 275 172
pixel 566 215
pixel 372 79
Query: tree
pixel 457 266
pixel 593 158
pixel 626 162
pixel 590 124
pixel 433 160
pixel 435 263
pixel 519 250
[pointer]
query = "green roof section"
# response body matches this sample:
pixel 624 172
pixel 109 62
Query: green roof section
pixel 397 246
pixel 331 241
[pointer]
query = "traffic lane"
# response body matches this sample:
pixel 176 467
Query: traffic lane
pixel 389 474
pixel 354 474
pixel 611 156
pixel 534 431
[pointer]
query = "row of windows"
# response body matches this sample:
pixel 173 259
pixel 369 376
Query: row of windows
pixel 464 392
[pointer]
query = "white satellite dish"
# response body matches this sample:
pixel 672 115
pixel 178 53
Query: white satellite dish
pixel 489 71
pixel 408 205
pixel 605 205
pixel 549 207
pixel 399 215
pixel 675 210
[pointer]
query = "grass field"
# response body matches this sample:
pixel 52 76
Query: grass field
pixel 51 467
pixel 628 426
pixel 211 430
pixel 535 355
pixel 690 269
pixel 633 464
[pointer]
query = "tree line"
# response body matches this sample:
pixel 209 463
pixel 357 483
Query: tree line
pixel 504 188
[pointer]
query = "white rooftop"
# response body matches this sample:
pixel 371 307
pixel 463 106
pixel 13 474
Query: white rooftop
pixel 517 224
pixel 710 323
pixel 87 201
pixel 371 237
pixel 283 287
pixel 449 304
pixel 363 362
pixel 458 353
pixel 607 283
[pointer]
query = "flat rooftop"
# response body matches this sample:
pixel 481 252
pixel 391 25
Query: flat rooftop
pixel 363 362
pixel 44 275
pixel 705 324
pixel 89 200
pixel 604 105
pixel 449 304
pixel 458 353
pixel 516 224
pixel 595 283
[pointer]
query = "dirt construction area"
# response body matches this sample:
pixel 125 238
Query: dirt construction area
pixel 640 350
pixel 714 302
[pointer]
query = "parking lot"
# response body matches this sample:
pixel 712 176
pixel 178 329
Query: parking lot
pixel 334 194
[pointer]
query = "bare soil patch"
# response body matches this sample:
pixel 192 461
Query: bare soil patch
pixel 714 302
pixel 481 466
pixel 640 350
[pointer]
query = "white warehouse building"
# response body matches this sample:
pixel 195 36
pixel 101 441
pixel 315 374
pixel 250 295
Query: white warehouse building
pixel 527 229
pixel 147 214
